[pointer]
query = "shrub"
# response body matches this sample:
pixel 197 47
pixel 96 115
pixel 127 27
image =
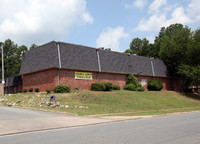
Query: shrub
pixel 98 87
pixel 48 91
pixel 130 87
pixel 108 85
pixel 37 89
pixel 25 90
pixel 116 87
pixel 131 79
pixel 20 91
pixel 62 88
pixel 140 88
pixel 30 90
pixel 154 85
pixel 132 84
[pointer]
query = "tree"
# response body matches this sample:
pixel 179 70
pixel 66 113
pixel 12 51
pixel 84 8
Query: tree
pixel 33 46
pixel 174 45
pixel 191 74
pixel 139 47
pixel 12 58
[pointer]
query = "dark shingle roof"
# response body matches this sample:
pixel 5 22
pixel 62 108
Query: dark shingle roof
pixel 40 58
pixel 13 81
pixel 80 57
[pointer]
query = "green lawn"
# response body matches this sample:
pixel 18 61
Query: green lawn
pixel 112 103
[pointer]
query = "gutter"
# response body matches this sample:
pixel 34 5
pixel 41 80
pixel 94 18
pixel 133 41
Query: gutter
pixel 151 59
pixel 99 64
pixel 59 62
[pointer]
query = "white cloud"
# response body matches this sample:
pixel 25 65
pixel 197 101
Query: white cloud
pixel 137 4
pixel 39 21
pixel 194 10
pixel 162 14
pixel 156 6
pixel 110 37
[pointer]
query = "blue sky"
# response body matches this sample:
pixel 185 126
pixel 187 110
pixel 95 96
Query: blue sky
pixel 103 23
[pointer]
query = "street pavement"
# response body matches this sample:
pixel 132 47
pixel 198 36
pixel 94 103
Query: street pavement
pixel 172 129
pixel 18 120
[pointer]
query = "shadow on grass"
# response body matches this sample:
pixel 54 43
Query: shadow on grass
pixel 192 95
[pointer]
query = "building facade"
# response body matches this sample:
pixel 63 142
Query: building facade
pixel 79 66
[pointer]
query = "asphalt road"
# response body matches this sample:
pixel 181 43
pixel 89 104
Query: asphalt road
pixel 174 129
pixel 10 113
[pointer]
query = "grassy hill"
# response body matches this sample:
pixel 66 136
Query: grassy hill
pixel 108 103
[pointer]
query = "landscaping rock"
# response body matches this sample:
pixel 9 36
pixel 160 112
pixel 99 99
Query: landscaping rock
pixel 9 104
pixel 66 106
pixel 18 101
pixel 81 107
pixel 62 106
pixel 2 100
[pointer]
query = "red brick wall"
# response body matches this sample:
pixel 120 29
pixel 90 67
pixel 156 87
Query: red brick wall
pixel 68 77
pixel 43 80
pixel 48 80
pixel 119 79
pixel 168 83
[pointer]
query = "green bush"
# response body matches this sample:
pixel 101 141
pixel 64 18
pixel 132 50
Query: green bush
pixel 131 79
pixel 30 90
pixel 130 87
pixel 116 87
pixel 154 85
pixel 48 91
pixel 132 84
pixel 109 86
pixel 62 88
pixel 140 88
pixel 25 90
pixel 98 87
pixel 37 89
pixel 20 91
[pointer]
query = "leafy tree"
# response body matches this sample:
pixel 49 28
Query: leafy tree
pixel 33 46
pixel 12 58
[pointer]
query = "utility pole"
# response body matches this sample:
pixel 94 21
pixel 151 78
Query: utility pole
pixel 2 60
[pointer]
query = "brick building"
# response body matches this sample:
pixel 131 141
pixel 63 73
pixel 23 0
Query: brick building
pixel 13 84
pixel 79 66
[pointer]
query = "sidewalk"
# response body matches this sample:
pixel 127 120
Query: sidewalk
pixel 8 127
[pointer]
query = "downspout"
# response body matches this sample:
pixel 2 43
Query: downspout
pixel 99 64
pixel 151 59
pixel 59 62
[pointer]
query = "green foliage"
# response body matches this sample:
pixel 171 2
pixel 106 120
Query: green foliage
pixel 62 88
pixel 132 84
pixel 12 58
pixel 37 89
pixel 33 46
pixel 19 91
pixel 48 91
pixel 131 79
pixel 154 85
pixel 25 90
pixel 191 74
pixel 116 87
pixel 109 86
pixel 130 87
pixel 140 88
pixel 98 87
pixel 30 90
pixel 104 86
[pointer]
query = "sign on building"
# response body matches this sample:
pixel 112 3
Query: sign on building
pixel 83 75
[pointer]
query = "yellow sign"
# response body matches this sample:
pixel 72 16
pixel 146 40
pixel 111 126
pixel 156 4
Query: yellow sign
pixel 83 75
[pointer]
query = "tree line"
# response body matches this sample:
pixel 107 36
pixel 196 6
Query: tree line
pixel 178 46
pixel 12 57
